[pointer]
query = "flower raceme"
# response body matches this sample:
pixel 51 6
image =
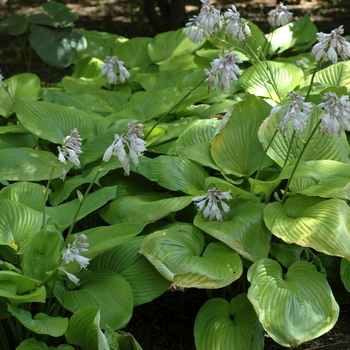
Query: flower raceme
pixel 279 16
pixel 213 204
pixel 337 117
pixel 331 45
pixel 109 69
pixel 235 25
pixel 297 112
pixel 71 148
pixel 134 143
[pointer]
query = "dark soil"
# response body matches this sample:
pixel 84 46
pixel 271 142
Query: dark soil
pixel 167 323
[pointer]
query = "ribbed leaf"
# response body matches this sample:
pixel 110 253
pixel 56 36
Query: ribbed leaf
pixel 321 146
pixel 174 173
pixel 223 325
pixel 146 283
pixel 171 44
pixel 42 253
pixel 235 147
pixel 25 164
pixel 106 290
pixel 34 344
pixel 312 222
pixel 178 253
pixel 25 85
pixel 40 323
pixel 54 122
pixel 242 226
pixel 64 213
pixel 345 273
pixel 143 208
pixel 84 330
pixel 18 224
pixel 257 80
pixel 295 307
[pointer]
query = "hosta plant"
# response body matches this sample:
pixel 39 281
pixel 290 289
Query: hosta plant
pixel 212 157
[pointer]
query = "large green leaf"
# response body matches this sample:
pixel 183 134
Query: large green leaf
pixel 294 307
pixel 54 122
pixel 106 290
pixel 18 224
pixel 171 44
pixel 271 76
pixel 25 164
pixel 312 222
pixel 321 146
pixel 174 173
pixel 178 253
pixel 64 213
pixel 242 226
pixel 84 330
pixel 223 325
pixel 40 323
pixel 143 208
pixel 235 147
pixel 345 273
pixel 297 36
pixel 146 283
pixel 25 85
pixel 34 344
pixel 42 253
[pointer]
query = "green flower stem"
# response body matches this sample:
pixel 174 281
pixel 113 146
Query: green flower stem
pixel 313 78
pixel 284 198
pixel 177 104
pixel 289 148
pixel 4 340
pixel 46 196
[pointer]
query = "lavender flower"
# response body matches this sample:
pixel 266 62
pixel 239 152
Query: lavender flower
pixel 236 26
pixel 72 277
pixel 72 252
pixel 224 70
pixel 279 16
pixel 294 112
pixel 109 69
pixel 327 43
pixel 71 148
pixel 213 203
pixel 134 143
pixel 207 22
pixel 1 79
pixel 337 117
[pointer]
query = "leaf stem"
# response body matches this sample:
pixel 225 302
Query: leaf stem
pixel 313 78
pixel 46 190
pixel 4 340
pixel 289 148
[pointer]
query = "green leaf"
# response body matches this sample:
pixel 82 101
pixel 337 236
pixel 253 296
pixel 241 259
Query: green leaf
pixel 171 44
pixel 235 147
pixel 297 36
pixel 42 253
pixel 40 323
pixel 18 224
pixel 311 222
pixel 294 307
pixel 178 253
pixel 33 344
pixel 223 325
pixel 174 173
pixel 146 283
pixel 345 273
pixel 143 208
pixel 242 226
pixel 53 122
pixel 25 164
pixel 321 146
pixel 14 25
pixel 264 81
pixel 25 85
pixel 64 213
pixel 84 330
pixel 106 290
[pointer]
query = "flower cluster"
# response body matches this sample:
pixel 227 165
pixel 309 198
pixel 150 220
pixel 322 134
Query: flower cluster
pixel 72 253
pixel 337 117
pixel 235 25
pixel 134 143
pixel 1 78
pixel 279 16
pixel 327 43
pixel 295 112
pixel 224 70
pixel 71 148
pixel 109 69
pixel 213 203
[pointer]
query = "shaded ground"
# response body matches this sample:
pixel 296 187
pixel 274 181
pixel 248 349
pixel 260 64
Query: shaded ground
pixel 167 323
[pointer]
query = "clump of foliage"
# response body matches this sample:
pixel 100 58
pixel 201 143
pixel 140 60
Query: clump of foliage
pixel 211 157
